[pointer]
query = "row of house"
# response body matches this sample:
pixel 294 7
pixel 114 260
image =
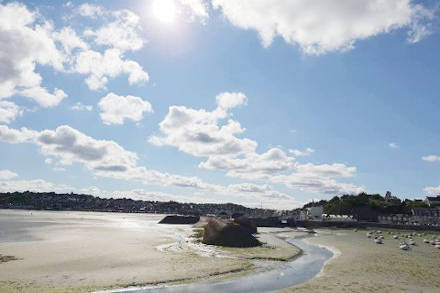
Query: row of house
pixel 419 216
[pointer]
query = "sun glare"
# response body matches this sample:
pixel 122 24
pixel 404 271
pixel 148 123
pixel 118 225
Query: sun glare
pixel 164 10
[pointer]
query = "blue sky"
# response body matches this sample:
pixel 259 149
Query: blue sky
pixel 271 103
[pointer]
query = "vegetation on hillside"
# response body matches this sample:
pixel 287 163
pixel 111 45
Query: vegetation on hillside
pixel 363 205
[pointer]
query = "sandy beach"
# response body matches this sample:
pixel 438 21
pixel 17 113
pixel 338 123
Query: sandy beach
pixel 360 265
pixel 85 251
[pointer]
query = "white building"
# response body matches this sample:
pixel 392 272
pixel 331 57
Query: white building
pixel 315 213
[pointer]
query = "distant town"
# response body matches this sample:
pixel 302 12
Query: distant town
pixel 368 208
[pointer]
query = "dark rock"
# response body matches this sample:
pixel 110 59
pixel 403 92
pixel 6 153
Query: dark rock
pixel 180 219
pixel 228 233
pixel 247 223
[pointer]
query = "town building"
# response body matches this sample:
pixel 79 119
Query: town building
pixel 315 213
pixel 433 201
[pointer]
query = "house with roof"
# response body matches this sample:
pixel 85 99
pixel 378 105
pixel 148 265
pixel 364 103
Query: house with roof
pixel 433 201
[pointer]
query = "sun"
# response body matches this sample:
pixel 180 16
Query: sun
pixel 164 10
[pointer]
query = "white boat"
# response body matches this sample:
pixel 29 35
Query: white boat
pixel 378 241
pixel 426 240
pixel 412 242
pixel 395 237
pixel 437 246
pixel 404 246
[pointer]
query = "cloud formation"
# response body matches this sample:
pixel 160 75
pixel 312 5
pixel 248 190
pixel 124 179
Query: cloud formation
pixel 300 153
pixel 321 26
pixel 29 41
pixel 6 174
pixel 9 111
pixel 214 135
pixel 198 132
pixel 431 158
pixel 81 107
pixel 106 158
pixel 432 190
pixel 115 109
pixel 26 43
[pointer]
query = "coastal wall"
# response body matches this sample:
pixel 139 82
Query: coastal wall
pixel 323 224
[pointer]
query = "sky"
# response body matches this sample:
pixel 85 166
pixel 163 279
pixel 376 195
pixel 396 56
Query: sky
pixel 268 103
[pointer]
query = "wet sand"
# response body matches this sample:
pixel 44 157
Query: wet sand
pixel 86 251
pixel 82 251
pixel 361 265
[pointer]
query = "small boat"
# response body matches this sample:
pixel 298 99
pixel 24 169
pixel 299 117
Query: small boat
pixel 368 235
pixel 404 246
pixel 426 240
pixel 378 241
pixel 437 246
pixel 412 242
pixel 395 237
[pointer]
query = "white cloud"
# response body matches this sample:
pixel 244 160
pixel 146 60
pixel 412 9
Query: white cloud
pixel 14 136
pixel 253 166
pixel 198 132
pixel 432 190
pixel 431 158
pixel 393 145
pixel 300 153
pixel 316 184
pixel 26 43
pixel 70 145
pixel 115 109
pixel 197 8
pixel 43 97
pixel 90 10
pixel 326 170
pixel 69 40
pixel 9 111
pixel 81 107
pixel 204 133
pixel 319 178
pixel 321 26
pixel 122 33
pixel 104 158
pixel 7 175
pixel 29 41
pixel 228 100
pixel 100 67
pixel 35 185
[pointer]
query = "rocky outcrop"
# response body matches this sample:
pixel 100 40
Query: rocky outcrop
pixel 228 233
pixel 180 220
pixel 247 224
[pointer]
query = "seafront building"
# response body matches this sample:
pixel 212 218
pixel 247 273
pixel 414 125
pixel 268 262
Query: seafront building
pixel 419 216
pixel 433 201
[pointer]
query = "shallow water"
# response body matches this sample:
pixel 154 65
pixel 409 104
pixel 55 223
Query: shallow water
pixel 277 276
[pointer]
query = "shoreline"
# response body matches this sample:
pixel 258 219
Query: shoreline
pixel 87 251
pixel 360 265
